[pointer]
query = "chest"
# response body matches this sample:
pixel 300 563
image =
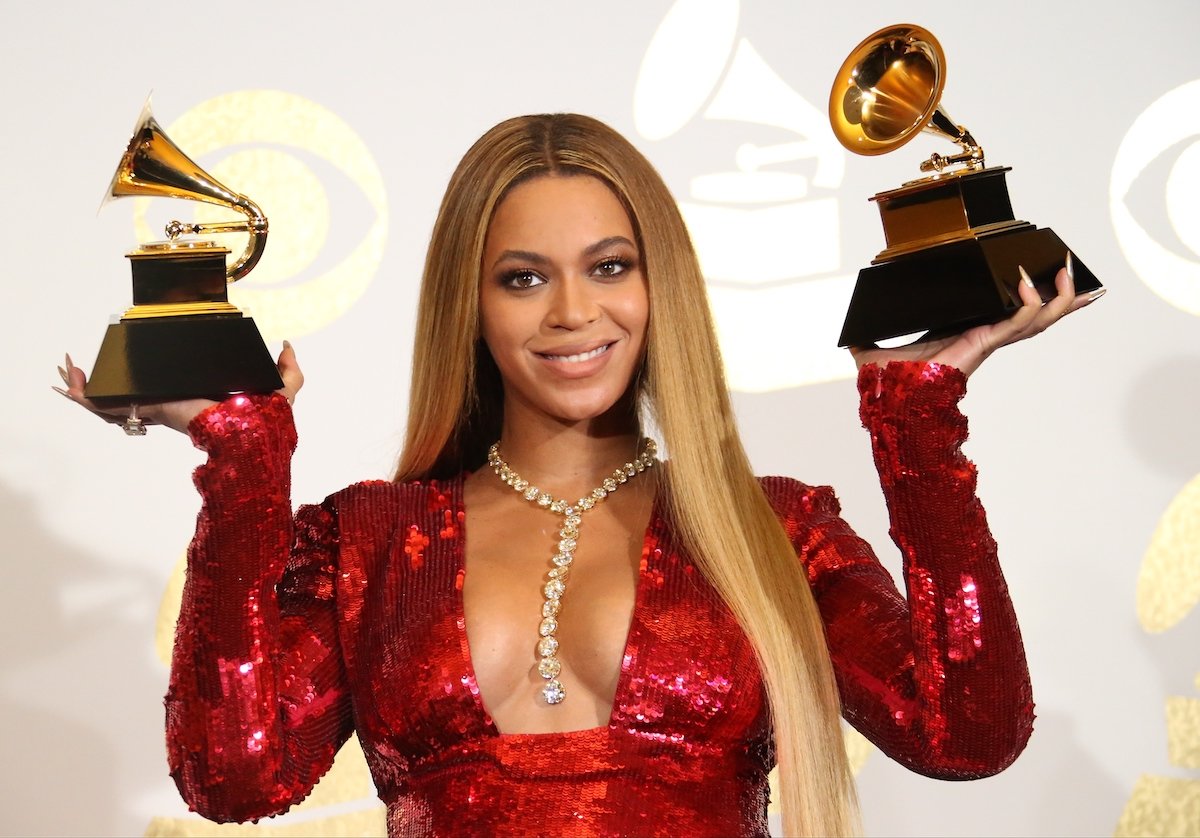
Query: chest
pixel 670 662
pixel 508 551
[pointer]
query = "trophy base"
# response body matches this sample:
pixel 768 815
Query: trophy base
pixel 952 287
pixel 157 359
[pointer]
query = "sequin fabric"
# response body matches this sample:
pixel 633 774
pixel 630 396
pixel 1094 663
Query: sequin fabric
pixel 296 631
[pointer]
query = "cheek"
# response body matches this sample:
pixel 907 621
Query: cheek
pixel 497 324
pixel 506 333
pixel 636 316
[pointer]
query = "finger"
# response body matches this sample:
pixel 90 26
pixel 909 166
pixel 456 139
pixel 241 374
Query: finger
pixel 1080 300
pixel 1046 313
pixel 1084 300
pixel 1018 324
pixel 75 377
pixel 76 383
pixel 112 418
pixel 1027 291
pixel 76 380
pixel 289 371
pixel 1062 303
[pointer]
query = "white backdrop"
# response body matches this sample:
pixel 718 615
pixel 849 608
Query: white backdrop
pixel 344 124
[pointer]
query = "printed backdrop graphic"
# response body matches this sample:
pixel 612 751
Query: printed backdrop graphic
pixel 1167 135
pixel 767 234
pixel 344 125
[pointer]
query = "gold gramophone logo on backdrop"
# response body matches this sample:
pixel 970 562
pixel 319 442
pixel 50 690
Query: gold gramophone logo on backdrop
pixel 768 236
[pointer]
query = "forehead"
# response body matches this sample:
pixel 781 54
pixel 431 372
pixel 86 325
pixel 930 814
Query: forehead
pixel 557 210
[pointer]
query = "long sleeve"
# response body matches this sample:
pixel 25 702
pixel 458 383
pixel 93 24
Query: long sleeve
pixel 257 705
pixel 938 682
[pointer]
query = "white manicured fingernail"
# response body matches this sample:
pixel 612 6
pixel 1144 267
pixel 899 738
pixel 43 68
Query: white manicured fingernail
pixel 1097 294
pixel 1025 275
pixel 1070 266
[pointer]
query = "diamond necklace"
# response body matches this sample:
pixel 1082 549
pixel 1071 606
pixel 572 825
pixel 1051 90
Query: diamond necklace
pixel 556 579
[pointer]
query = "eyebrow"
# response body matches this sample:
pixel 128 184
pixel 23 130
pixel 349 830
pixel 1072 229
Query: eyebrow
pixel 539 259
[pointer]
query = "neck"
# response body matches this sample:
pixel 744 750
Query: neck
pixel 568 460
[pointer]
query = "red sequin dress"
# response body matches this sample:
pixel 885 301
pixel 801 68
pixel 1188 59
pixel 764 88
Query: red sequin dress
pixel 348 617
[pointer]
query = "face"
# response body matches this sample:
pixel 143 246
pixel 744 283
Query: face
pixel 563 300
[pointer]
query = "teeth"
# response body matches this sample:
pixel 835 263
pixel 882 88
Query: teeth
pixel 585 356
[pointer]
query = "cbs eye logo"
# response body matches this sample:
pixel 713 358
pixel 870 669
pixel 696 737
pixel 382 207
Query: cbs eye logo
pixel 1157 170
pixel 320 189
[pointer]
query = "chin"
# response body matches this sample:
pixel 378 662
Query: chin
pixel 584 411
pixel 598 403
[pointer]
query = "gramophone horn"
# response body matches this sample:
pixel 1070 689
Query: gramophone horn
pixel 889 89
pixel 153 166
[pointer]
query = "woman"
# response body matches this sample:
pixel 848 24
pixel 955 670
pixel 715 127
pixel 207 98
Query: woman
pixel 693 626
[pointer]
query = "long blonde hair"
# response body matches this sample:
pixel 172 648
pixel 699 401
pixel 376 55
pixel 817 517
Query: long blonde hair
pixel 718 508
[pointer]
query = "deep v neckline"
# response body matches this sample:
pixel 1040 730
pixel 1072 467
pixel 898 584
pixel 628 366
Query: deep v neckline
pixel 460 617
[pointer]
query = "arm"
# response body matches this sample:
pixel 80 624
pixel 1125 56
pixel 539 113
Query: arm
pixel 257 705
pixel 939 683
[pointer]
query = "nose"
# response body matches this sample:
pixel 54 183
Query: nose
pixel 572 304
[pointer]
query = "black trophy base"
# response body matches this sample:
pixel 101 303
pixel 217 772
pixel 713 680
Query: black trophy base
pixel 950 288
pixel 157 359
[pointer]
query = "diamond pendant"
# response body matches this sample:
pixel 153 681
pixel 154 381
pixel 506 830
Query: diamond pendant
pixel 553 692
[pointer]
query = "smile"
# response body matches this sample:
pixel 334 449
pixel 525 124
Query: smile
pixel 580 358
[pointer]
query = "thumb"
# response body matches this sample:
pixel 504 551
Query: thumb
pixel 289 371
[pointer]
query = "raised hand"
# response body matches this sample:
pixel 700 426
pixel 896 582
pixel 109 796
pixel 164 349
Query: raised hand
pixel 175 415
pixel 968 350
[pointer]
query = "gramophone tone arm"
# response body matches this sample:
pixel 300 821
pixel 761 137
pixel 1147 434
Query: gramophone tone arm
pixel 255 224
pixel 943 126
pixel 177 228
pixel 973 157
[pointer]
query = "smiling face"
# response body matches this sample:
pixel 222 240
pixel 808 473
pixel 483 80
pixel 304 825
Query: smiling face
pixel 563 300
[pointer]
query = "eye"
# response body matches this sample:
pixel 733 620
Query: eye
pixel 612 266
pixel 521 279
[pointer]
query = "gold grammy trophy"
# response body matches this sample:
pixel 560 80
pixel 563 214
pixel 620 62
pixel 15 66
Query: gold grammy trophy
pixel 953 243
pixel 182 338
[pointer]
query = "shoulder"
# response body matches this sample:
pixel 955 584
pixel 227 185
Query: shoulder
pixel 811 519
pixel 376 507
pixel 405 492
pixel 790 498
pixel 368 519
pixel 414 497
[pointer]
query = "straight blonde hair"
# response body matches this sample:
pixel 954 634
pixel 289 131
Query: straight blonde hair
pixel 719 511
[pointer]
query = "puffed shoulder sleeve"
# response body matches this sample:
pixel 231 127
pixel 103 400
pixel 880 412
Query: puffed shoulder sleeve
pixel 257 705
pixel 938 681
